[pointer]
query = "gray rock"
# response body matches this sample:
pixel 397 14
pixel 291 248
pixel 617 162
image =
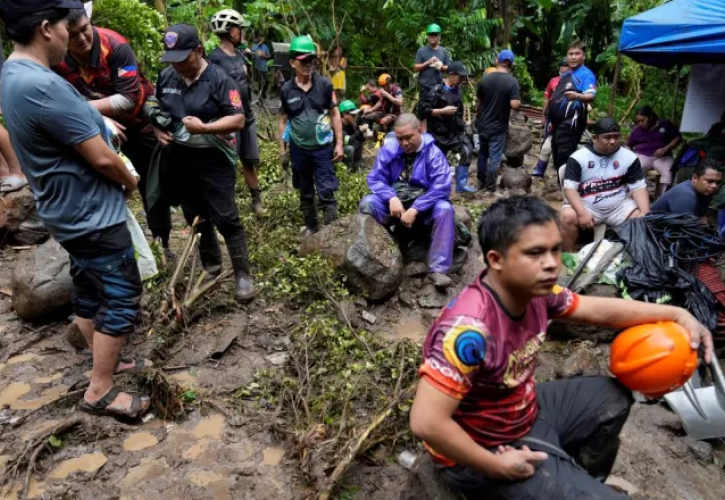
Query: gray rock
pixel 518 143
pixel 424 483
pixel 41 283
pixel 429 315
pixel 370 318
pixel 440 280
pixel 700 449
pixel 406 299
pixel 516 179
pixel 416 268
pixel 19 221
pixel 364 251
pixel 620 484
pixel 432 301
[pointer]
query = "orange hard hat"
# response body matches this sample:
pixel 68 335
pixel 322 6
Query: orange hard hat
pixel 384 79
pixel 365 106
pixel 653 359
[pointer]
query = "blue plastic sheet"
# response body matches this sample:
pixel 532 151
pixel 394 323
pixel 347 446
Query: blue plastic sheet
pixel 678 32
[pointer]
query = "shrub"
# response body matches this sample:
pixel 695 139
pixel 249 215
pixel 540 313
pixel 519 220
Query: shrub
pixel 140 24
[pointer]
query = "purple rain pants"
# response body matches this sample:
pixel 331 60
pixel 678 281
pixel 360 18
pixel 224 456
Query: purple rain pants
pixel 443 219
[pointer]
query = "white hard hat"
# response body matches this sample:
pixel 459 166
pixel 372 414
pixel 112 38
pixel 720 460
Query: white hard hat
pixel 225 20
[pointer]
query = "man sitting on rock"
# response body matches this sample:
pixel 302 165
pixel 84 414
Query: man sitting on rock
pixel 411 186
pixel 596 182
pixel 491 430
pixel 693 197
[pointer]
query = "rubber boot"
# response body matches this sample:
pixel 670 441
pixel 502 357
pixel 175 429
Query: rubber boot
pixel 540 168
pixel 329 214
pixel 211 257
pixel 309 211
pixel 462 180
pixel 244 287
pixel 257 201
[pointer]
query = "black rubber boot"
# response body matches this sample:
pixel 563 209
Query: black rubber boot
pixel 309 211
pixel 329 214
pixel 257 201
pixel 244 287
pixel 211 255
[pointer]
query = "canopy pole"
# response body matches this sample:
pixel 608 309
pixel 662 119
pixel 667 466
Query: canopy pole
pixel 677 89
pixel 615 81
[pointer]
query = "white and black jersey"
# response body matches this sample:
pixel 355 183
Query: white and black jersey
pixel 603 181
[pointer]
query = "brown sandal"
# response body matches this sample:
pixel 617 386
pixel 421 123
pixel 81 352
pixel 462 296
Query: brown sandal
pixel 139 404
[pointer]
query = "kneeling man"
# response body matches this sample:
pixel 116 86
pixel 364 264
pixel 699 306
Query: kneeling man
pixel 411 185
pixel 596 182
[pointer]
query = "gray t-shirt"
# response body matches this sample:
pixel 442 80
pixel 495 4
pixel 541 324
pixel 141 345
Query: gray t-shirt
pixel 46 118
pixel 430 76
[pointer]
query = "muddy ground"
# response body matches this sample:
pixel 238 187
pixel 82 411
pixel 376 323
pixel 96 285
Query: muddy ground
pixel 224 452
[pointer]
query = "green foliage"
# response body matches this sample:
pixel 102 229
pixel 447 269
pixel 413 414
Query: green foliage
pixel 55 441
pixel 140 24
pixel 529 93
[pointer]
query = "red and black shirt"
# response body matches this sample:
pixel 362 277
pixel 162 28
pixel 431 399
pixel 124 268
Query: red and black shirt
pixel 112 69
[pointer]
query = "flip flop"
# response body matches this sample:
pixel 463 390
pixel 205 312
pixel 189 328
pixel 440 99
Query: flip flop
pixel 138 365
pixel 139 404
pixel 12 183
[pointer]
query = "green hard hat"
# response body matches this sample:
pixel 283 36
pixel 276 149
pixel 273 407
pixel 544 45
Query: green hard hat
pixel 432 28
pixel 303 45
pixel 348 107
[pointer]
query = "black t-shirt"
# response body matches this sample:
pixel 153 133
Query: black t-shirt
pixel 235 67
pixel 214 95
pixel 447 130
pixel 308 112
pixel 496 91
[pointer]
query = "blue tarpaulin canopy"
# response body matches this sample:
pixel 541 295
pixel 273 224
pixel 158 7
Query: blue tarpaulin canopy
pixel 678 32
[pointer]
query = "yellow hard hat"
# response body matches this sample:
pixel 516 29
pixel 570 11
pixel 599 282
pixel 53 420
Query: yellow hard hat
pixel 384 79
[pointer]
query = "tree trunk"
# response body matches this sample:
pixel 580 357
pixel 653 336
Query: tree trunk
pixel 160 6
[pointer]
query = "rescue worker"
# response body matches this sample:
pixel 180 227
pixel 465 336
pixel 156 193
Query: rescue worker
pixel 431 61
pixel 411 185
pixel 353 135
pixel 389 105
pixel 101 65
pixel 443 112
pixel 228 25
pixel 308 102
pixel 205 107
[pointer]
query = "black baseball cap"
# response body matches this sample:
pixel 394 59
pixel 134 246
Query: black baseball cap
pixel 606 125
pixel 15 9
pixel 179 41
pixel 563 62
pixel 458 68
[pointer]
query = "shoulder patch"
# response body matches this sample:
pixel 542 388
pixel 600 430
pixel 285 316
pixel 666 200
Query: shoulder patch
pixel 235 98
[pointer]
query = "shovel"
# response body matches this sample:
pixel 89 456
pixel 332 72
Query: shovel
pixel 701 408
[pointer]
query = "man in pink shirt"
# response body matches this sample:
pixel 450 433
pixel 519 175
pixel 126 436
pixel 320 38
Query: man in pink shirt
pixel 545 153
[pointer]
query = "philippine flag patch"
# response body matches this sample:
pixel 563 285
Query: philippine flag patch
pixel 127 72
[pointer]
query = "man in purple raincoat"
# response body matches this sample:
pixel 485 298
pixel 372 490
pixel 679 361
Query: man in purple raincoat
pixel 411 187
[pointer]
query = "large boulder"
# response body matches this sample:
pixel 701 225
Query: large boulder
pixel 424 483
pixel 19 220
pixel 41 283
pixel 518 143
pixel 516 178
pixel 364 251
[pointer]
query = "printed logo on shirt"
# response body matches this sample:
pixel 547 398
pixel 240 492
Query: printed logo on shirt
pixel 569 86
pixel 616 164
pixel 127 72
pixel 662 130
pixel 591 164
pixel 603 162
pixel 293 100
pixel 170 39
pixel 235 99
pixel 170 91
pixel 465 348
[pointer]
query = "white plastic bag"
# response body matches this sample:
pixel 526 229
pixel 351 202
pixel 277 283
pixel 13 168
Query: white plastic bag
pixel 609 275
pixel 144 256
